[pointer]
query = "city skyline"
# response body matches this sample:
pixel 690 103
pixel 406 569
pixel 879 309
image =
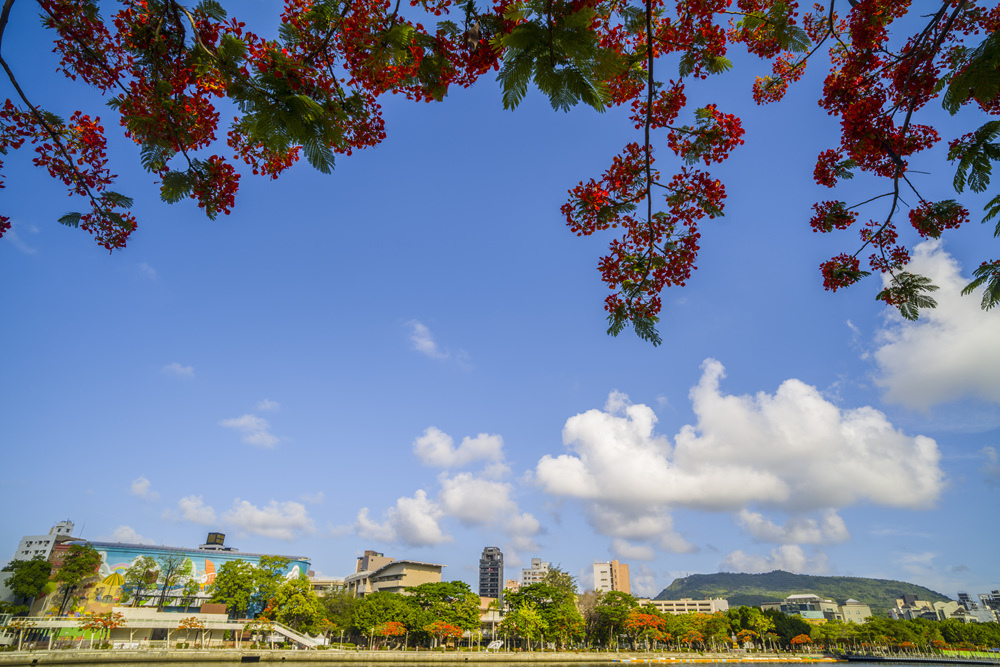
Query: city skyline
pixel 409 355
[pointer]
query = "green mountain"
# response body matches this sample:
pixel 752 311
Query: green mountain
pixel 756 589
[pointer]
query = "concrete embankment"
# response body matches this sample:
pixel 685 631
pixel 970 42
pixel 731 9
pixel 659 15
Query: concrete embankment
pixel 128 657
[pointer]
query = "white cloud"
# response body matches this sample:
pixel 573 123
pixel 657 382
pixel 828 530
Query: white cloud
pixel 13 235
pixel 625 550
pixel 798 530
pixel 279 520
pixel 991 466
pixel 313 498
pixel 177 370
pixel 266 404
pixel 951 352
pixel 191 508
pixel 423 342
pixel 788 557
pixel 476 501
pixel 127 535
pixel 148 271
pixel 412 521
pixel 142 488
pixel 791 451
pixel 253 430
pixel 436 448
pixel 643 581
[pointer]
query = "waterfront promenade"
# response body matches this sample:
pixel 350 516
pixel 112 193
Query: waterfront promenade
pixel 264 656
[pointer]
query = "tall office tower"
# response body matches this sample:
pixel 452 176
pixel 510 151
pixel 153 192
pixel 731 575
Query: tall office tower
pixel 491 573
pixel 612 576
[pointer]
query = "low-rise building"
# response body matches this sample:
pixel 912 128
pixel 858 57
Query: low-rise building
pixel 393 577
pixel 816 610
pixel 687 605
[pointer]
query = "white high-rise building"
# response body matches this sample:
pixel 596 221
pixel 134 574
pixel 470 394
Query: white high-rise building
pixel 536 573
pixel 41 545
pixel 612 576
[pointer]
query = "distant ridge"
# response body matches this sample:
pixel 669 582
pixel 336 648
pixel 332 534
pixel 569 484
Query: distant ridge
pixel 756 589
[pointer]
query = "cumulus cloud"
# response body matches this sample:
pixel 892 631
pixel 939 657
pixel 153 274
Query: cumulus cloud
pixel 423 342
pixel 279 520
pixel 178 370
pixel 476 501
pixel 127 535
pixel 436 448
pixel 950 353
pixel 142 488
pixel 643 581
pixel 625 550
pixel 191 508
pixel 791 451
pixel 788 557
pixel 829 529
pixel 253 430
pixel 991 466
pixel 412 521
pixel 266 404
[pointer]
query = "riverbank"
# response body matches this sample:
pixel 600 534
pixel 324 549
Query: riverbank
pixel 113 658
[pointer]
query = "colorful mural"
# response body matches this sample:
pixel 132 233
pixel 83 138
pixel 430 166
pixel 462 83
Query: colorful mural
pixel 104 591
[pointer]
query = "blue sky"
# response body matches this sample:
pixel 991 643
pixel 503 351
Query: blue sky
pixel 410 355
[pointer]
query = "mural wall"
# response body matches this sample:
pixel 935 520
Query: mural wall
pixel 104 591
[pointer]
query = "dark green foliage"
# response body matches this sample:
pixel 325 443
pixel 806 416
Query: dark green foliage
pixel 757 589
pixel 644 325
pixel 79 565
pixel 774 25
pixel 975 157
pixel 559 54
pixel 987 274
pixel 905 290
pixel 28 577
pixel 979 79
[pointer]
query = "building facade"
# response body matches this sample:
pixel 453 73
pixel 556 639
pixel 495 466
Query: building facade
pixel 491 573
pixel 536 573
pixel 687 606
pixel 394 576
pixel 814 609
pixel 612 576
pixel 40 546
pixel 100 594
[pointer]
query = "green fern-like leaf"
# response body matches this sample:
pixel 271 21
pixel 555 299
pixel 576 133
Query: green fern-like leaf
pixel 175 186
pixel 71 219
pixel 975 158
pixel 987 274
pixel 979 78
pixel 907 292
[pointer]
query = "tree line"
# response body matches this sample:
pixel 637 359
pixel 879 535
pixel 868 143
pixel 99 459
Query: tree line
pixel 551 613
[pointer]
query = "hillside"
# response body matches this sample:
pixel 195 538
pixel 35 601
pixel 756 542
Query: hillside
pixel 756 589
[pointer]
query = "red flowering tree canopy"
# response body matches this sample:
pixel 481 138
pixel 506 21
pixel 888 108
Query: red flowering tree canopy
pixel 313 92
pixel 390 629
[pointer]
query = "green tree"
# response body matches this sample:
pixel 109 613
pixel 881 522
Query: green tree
pixel 189 593
pixel 451 602
pixel 27 578
pixel 235 586
pixel 525 622
pixel 296 605
pixel 173 569
pixel 612 610
pixel 380 608
pixel 339 605
pixel 139 578
pixel 79 565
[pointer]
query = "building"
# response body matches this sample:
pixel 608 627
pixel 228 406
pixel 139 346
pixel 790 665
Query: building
pixel 612 576
pixel 536 573
pixel 34 546
pixel 512 585
pixel 375 573
pixel 687 606
pixel 909 607
pixel 990 600
pixel 491 573
pixel 104 590
pixel 816 610
pixel 322 585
